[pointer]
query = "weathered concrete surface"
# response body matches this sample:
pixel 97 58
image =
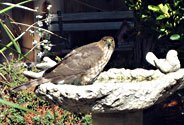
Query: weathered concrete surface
pixel 118 118
pixel 115 95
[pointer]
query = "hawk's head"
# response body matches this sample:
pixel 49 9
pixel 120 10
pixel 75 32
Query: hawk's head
pixel 108 42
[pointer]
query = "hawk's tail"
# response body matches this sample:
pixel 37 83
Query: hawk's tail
pixel 29 85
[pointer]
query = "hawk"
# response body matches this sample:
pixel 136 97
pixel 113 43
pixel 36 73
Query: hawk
pixel 80 67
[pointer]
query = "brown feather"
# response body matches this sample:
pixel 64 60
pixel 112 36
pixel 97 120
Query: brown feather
pixel 81 66
pixel 75 64
pixel 31 85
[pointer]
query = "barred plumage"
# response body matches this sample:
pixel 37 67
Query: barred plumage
pixel 80 67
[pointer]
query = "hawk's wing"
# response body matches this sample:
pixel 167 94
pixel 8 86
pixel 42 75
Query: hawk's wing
pixel 75 64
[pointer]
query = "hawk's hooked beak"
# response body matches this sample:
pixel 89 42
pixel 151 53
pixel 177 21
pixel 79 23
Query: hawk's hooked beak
pixel 109 42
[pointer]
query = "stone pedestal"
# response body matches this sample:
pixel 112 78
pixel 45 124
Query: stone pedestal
pixel 119 118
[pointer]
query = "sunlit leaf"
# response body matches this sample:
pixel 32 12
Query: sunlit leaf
pixel 175 37
pixel 162 30
pixel 153 8
pixel 164 8
pixel 161 17
pixel 176 2
pixel 144 16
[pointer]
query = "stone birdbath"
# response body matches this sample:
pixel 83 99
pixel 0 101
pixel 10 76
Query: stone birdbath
pixel 118 96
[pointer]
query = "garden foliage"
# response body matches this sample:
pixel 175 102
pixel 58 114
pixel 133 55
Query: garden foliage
pixel 25 108
pixel 165 17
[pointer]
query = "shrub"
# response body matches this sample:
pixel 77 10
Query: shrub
pixel 164 17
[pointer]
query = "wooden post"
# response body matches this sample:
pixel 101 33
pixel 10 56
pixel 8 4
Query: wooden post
pixel 119 118
pixel 26 17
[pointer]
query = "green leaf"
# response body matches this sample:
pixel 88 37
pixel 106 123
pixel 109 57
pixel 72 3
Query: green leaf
pixel 154 8
pixel 15 106
pixel 175 37
pixel 162 29
pixel 164 8
pixel 176 2
pixel 161 17
pixel 144 16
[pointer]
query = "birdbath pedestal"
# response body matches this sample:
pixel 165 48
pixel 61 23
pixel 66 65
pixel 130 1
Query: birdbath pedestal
pixel 118 96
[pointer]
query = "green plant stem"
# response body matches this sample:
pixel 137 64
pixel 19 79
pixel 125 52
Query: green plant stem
pixel 11 43
pixel 11 36
pixel 28 52
pixel 35 27
pixel 7 46
pixel 20 6
pixel 15 5
pixel 15 106
pixel 14 40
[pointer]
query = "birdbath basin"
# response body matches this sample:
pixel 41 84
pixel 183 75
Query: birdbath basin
pixel 118 96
